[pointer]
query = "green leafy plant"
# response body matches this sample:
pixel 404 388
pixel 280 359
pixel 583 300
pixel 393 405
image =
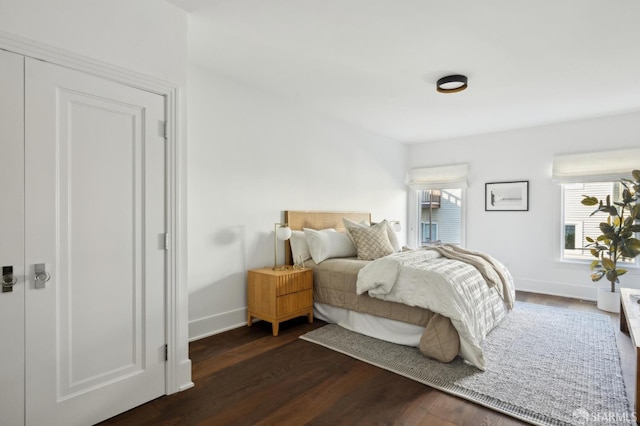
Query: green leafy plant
pixel 617 239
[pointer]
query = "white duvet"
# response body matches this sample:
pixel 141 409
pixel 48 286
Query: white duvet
pixel 451 288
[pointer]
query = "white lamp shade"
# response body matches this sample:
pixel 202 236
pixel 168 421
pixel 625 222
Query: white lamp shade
pixel 396 226
pixel 283 232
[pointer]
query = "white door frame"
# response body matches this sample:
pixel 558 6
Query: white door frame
pixel 178 369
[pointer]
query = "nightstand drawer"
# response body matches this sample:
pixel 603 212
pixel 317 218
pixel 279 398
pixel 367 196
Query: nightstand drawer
pixel 294 282
pixel 294 302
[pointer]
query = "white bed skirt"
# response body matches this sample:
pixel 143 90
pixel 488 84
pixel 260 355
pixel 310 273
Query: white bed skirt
pixel 381 328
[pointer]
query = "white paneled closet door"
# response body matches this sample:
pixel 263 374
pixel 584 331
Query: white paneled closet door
pixel 12 239
pixel 92 278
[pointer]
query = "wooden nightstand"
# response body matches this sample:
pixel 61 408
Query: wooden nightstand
pixel 277 296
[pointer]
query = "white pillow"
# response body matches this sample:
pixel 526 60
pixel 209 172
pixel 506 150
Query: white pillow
pixel 326 244
pixel 350 224
pixel 299 246
pixel 393 238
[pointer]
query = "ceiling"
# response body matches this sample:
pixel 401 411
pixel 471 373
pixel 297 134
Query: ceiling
pixel 374 63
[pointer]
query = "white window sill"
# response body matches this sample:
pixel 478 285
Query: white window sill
pixel 634 268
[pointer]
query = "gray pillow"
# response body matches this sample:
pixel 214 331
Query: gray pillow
pixel 371 243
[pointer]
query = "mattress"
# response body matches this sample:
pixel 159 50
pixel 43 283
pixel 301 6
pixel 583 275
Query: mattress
pixel 334 282
pixel 336 301
pixel 389 330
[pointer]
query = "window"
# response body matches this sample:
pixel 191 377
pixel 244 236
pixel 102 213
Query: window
pixel 440 216
pixel 578 224
pixel 437 196
pixel 594 174
pixel 429 233
pixel 570 236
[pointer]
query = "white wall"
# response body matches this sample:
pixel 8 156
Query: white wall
pixel 146 36
pixel 250 157
pixel 529 242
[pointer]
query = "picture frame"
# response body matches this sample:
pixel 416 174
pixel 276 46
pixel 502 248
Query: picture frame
pixel 506 196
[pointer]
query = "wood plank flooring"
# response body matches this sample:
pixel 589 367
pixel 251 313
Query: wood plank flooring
pixel 248 377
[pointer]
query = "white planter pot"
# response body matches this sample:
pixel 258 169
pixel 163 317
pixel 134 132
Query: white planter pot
pixel 608 301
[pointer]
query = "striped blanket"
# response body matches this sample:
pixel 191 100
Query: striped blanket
pixel 490 269
pixel 449 287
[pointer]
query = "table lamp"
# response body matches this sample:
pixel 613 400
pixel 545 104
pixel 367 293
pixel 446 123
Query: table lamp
pixel 281 232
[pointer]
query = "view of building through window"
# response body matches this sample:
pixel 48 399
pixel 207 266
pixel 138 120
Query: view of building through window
pixel 578 224
pixel 440 216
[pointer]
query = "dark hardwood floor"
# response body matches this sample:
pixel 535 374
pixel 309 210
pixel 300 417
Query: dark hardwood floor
pixel 246 376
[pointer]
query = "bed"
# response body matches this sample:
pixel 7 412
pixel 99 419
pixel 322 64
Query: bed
pixel 336 298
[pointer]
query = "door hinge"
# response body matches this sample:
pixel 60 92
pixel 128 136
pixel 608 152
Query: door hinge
pixel 166 352
pixel 166 241
pixel 163 126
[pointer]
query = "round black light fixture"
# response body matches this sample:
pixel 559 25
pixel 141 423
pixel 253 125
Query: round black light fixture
pixel 452 84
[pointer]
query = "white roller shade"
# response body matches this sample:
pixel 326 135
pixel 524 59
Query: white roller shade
pixel 595 166
pixel 440 177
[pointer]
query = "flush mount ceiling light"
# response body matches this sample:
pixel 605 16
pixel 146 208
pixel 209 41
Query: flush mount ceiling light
pixel 452 84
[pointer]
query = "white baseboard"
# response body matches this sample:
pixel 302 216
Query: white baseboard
pixel 184 376
pixel 214 324
pixel 574 291
pixel 557 289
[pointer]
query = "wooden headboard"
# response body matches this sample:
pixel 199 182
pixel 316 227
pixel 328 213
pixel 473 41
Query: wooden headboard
pixel 298 220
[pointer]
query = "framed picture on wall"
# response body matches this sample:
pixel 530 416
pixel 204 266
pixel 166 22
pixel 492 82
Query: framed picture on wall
pixel 506 196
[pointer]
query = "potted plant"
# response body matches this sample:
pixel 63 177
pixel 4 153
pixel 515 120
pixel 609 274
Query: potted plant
pixel 617 239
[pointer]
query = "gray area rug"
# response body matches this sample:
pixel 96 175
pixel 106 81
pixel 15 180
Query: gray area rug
pixel 544 365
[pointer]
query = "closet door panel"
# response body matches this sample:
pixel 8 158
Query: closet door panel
pixel 12 238
pixel 94 178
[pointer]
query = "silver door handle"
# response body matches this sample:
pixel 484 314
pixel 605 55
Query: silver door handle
pixel 42 276
pixel 8 279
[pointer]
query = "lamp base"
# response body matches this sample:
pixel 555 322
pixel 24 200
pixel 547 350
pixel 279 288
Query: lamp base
pixel 281 268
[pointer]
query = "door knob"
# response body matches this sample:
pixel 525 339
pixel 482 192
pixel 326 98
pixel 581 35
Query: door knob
pixel 42 276
pixel 8 279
